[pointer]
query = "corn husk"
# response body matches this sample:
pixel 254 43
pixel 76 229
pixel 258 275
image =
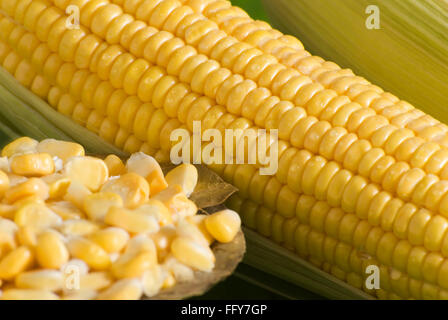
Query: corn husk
pixel 286 265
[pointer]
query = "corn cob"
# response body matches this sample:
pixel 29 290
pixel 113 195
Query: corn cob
pixel 133 78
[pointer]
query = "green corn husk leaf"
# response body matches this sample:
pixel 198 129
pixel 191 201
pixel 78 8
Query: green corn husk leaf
pixel 408 56
pixel 286 265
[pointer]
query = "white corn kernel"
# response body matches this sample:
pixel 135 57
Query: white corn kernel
pixel 180 271
pixel 192 254
pixel 125 289
pixel 20 146
pixel 50 280
pixel 147 167
pixel 77 193
pixel 133 222
pixel 90 172
pixel 96 205
pixel 132 188
pixel 37 215
pixel 61 149
pixel 185 175
pixel 111 239
pixel 78 227
pixel 153 280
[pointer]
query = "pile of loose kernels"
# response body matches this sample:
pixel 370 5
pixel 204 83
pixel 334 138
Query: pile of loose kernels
pixel 79 227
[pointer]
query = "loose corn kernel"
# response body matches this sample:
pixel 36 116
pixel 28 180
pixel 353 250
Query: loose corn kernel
pixel 132 188
pixel 66 210
pixel 192 254
pixel 130 265
pixel 163 240
pixel 125 289
pixel 28 294
pixel 88 251
pixel 32 165
pixel 140 243
pixel 153 280
pixel 61 149
pixel 115 165
pixel 7 211
pixel 131 221
pixel 199 221
pixel 8 226
pixel 158 210
pixel 170 281
pixel 77 193
pixel 19 146
pixel 37 215
pixel 8 231
pixel 95 281
pixel 50 280
pixel 57 184
pixel 192 231
pixel 4 183
pixel 96 205
pixel 176 201
pixel 27 236
pixel 90 172
pixel 223 225
pixel 51 251
pixel 15 262
pixel 27 200
pixel 147 167
pixel 30 187
pixel 110 239
pixel 185 175
pixel 78 227
pixel 14 179
pixel 181 272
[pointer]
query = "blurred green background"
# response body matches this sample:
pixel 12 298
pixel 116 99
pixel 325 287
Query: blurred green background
pixel 253 7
